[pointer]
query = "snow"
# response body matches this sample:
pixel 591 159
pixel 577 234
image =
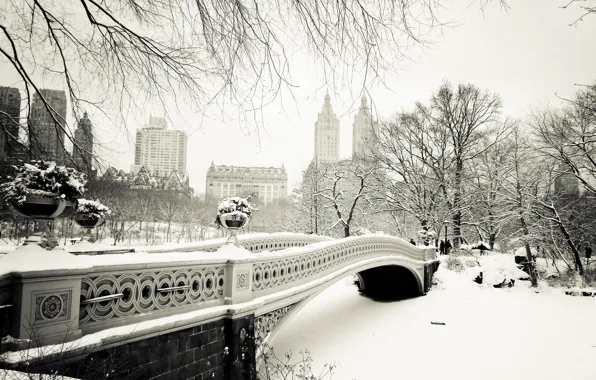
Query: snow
pixel 489 334
pixel 235 206
pixel 198 245
pixel 33 258
pixel 95 209
pixel 232 252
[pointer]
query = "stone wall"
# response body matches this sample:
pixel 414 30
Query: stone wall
pixel 194 354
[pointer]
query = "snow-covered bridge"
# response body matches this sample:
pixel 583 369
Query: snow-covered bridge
pixel 175 311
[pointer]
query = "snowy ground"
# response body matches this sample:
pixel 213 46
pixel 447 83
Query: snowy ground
pixel 489 333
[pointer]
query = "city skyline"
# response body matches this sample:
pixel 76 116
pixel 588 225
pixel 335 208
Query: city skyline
pixel 479 51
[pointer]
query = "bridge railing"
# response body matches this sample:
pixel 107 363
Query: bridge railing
pixel 252 242
pixel 272 273
pixel 100 292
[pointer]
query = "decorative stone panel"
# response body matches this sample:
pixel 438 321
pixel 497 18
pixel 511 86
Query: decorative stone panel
pixel 51 307
pixel 242 280
pixel 130 294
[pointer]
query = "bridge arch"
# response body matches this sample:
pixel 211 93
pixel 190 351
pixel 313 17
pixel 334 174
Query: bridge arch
pixel 283 313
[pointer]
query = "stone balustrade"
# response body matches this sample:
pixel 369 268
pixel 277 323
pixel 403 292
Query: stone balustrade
pixel 251 242
pixel 118 290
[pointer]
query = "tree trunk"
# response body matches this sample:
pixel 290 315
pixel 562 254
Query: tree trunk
pixel 492 237
pixel 346 230
pixel 457 216
pixel 576 255
pixel 531 267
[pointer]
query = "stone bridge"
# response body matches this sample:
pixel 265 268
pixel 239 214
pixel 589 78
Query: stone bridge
pixel 182 313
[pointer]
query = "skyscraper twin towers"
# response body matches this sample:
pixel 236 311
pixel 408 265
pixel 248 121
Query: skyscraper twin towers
pixel 327 132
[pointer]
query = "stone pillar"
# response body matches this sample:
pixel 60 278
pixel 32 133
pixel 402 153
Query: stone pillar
pixel 240 352
pixel 46 310
pixel 239 276
pixel 429 271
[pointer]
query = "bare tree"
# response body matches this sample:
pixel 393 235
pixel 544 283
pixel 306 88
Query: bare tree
pixel 586 7
pixel 204 51
pixel 520 190
pixel 432 147
pixel 568 136
pixel 170 205
pixel 347 185
pixel 415 162
pixel 468 115
pixel 488 215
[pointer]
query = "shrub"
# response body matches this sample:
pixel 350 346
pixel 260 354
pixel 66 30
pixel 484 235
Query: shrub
pixel 93 209
pixel 44 178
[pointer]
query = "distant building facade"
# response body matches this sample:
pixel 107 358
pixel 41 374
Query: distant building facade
pixel 363 133
pixel 47 127
pixel 160 150
pixel 143 180
pixel 83 145
pixel 10 107
pixel 266 184
pixel 327 134
pixel 567 184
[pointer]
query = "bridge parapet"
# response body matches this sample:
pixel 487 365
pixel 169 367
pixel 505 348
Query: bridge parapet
pixel 104 292
pixel 272 273
pixel 252 242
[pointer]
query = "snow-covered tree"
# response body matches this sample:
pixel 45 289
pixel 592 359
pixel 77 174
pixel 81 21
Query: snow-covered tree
pixel 350 191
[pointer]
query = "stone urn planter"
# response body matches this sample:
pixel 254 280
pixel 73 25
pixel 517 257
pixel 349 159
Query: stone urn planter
pixel 232 214
pixel 89 215
pixel 43 191
pixel 43 207
pixel 233 221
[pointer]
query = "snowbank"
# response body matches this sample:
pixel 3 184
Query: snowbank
pixel 495 270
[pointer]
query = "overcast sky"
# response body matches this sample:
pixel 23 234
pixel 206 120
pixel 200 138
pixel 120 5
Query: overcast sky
pixel 526 54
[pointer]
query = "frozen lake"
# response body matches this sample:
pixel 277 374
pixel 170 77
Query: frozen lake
pixel 488 334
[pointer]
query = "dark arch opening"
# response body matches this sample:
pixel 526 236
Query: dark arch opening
pixel 388 283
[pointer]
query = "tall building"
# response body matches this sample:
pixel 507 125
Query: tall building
pixel 363 131
pixel 264 184
pixel 160 150
pixel 10 107
pixel 83 147
pixel 327 134
pixel 567 184
pixel 46 127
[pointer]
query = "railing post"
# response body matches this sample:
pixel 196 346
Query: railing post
pixel 45 310
pixel 239 278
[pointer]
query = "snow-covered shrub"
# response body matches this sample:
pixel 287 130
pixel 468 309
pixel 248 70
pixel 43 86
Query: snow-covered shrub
pixel 236 205
pixel 93 209
pixel 460 263
pixel 44 178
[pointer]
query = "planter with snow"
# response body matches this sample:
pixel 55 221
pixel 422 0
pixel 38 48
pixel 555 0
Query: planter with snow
pixel 234 213
pixel 43 191
pixel 90 214
pixel 233 220
pixel 42 207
